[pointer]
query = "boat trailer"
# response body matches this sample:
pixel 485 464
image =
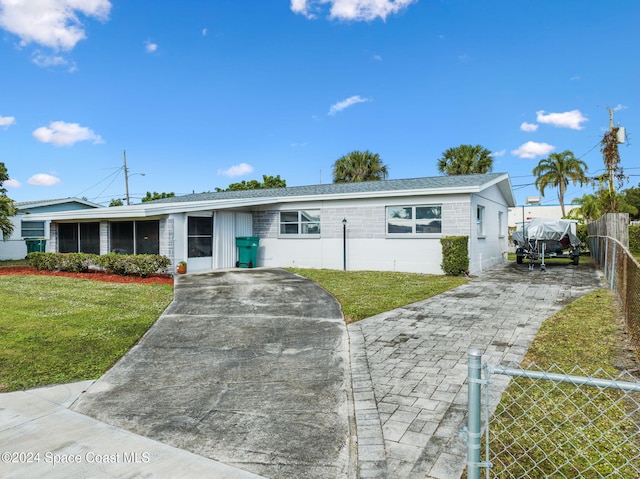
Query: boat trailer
pixel 541 238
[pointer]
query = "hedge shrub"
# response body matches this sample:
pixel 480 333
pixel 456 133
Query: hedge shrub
pixel 136 265
pixel 634 239
pixel 133 265
pixel 455 255
pixel 71 262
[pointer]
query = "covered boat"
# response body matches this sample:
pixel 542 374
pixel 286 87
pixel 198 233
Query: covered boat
pixel 542 238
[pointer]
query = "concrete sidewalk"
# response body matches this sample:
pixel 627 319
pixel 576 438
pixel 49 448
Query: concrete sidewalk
pixel 254 370
pixel 41 437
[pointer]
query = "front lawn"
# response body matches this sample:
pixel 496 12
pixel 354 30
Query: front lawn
pixel 546 429
pixel 58 330
pixel 366 293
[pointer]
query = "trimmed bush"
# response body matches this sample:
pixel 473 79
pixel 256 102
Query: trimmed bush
pixel 44 261
pixel 455 255
pixel 135 265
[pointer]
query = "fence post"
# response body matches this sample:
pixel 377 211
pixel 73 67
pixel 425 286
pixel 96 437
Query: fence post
pixel 474 414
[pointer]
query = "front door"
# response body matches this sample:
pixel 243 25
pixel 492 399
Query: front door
pixel 199 243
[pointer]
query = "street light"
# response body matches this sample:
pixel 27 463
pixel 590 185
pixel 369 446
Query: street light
pixel 344 244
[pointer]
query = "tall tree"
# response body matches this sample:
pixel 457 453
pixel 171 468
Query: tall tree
pixel 7 207
pixel 632 197
pixel 558 170
pixel 157 196
pixel 359 166
pixel 267 182
pixel 466 160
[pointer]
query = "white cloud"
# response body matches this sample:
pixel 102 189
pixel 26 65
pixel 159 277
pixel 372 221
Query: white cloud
pixel 204 32
pixel 61 133
pixel 11 183
pixel 237 170
pixel 497 154
pixel 377 58
pixel 51 23
pixel 531 149
pixel 341 105
pixel 570 119
pixel 150 47
pixel 620 107
pixel 529 127
pixel 42 179
pixel 7 121
pixel 356 10
pixel 46 61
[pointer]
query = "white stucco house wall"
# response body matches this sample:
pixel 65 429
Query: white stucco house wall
pixel 391 225
pixel 25 227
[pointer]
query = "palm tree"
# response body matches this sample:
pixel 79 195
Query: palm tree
pixel 558 170
pixel 466 160
pixel 589 207
pixel 359 166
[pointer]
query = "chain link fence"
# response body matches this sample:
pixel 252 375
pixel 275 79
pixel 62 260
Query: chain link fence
pixel 551 423
pixel 622 273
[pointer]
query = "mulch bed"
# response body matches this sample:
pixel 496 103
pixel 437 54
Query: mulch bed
pixel 92 275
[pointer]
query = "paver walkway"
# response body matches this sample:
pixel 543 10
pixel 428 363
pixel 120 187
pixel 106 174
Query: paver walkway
pixel 409 365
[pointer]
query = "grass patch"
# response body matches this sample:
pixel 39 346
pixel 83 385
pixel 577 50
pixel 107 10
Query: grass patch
pixel 546 429
pixel 366 293
pixel 58 330
pixel 13 262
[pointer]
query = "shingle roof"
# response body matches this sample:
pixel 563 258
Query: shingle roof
pixel 434 182
pixel 55 201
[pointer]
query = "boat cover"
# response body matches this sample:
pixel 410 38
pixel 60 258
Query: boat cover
pixel 545 229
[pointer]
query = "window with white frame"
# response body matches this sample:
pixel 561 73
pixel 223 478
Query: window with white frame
pixel 500 223
pixel 32 229
pixel 419 219
pixel 480 220
pixel 302 222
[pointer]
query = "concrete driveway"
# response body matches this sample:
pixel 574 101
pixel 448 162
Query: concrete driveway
pixel 246 367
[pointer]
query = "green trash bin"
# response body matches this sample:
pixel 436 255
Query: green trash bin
pixel 247 251
pixel 36 245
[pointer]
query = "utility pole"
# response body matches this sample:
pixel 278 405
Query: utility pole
pixel 126 175
pixel 611 165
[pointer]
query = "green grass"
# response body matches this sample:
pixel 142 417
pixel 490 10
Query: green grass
pixel 13 262
pixel 560 429
pixel 57 330
pixel 366 293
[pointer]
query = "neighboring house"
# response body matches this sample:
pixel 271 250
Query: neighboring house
pixel 392 225
pixel 25 227
pixel 531 211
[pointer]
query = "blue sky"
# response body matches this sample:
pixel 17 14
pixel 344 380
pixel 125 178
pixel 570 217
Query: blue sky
pixel 205 93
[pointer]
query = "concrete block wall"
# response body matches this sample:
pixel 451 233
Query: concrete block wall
pixel 456 219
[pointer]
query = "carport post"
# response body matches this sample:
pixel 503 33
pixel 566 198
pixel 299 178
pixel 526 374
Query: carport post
pixel 473 416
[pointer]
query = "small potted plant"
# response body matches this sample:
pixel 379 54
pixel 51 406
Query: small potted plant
pixel 182 267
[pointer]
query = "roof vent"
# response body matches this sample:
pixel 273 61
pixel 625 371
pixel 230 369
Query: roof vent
pixel 533 200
